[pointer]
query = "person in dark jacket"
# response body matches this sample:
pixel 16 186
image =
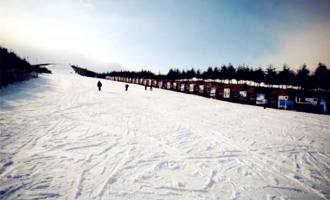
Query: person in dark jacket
pixel 99 85
pixel 126 87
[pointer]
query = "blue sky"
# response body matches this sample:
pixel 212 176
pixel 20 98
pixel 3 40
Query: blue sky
pixel 156 35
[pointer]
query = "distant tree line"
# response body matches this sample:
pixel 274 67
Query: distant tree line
pixel 86 72
pixel 131 74
pixel 303 77
pixel 13 68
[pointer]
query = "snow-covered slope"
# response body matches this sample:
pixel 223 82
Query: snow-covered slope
pixel 61 138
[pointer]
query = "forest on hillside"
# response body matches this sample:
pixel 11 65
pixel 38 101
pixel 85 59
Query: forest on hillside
pixel 14 68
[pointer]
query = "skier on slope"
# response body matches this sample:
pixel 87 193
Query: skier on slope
pixel 99 85
pixel 126 87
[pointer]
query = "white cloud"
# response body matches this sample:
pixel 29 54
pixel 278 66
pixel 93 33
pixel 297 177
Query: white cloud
pixel 87 3
pixel 309 44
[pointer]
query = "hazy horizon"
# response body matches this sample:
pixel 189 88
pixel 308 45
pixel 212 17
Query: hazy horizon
pixel 159 35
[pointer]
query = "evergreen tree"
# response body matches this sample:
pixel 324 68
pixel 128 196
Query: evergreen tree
pixel 242 73
pixel 208 74
pixel 303 77
pixel 270 75
pixel 198 74
pixel 191 73
pixel 230 72
pixel 322 76
pixel 286 76
pixel 258 75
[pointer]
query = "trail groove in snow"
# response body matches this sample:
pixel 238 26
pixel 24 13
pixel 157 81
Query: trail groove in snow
pixel 62 139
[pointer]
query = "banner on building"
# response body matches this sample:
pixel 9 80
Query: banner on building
pixel 243 94
pixel 191 88
pixel 213 92
pixel 182 87
pixel 284 102
pixel 201 88
pixel 312 101
pixel 226 93
pixel 261 100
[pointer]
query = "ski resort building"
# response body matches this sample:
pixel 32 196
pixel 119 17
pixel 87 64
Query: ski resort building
pixel 315 101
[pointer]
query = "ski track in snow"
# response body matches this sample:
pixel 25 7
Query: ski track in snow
pixel 62 139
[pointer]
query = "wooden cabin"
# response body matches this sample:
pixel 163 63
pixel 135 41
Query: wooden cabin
pixel 315 101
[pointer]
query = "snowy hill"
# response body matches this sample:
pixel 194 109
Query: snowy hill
pixel 62 139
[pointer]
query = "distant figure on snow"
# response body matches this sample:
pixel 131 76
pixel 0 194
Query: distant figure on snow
pixel 126 87
pixel 99 85
pixel 266 104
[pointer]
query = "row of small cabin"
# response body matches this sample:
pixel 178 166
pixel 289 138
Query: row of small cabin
pixel 301 100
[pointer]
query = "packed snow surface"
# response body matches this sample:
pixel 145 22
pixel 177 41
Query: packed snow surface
pixel 63 139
